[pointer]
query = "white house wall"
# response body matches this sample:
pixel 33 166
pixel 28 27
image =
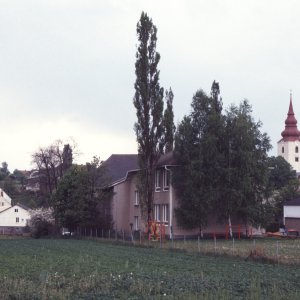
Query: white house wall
pixel 5 201
pixel 291 212
pixel 9 217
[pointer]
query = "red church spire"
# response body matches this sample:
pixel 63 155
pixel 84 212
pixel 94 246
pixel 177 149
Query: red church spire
pixel 291 132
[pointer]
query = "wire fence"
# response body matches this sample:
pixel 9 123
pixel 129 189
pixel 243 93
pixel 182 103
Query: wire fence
pixel 271 250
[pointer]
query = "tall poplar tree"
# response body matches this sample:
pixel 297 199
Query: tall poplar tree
pixel 148 101
pixel 168 123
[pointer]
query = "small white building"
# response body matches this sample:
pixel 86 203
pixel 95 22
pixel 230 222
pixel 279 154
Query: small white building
pixel 291 214
pixel 5 201
pixel 12 218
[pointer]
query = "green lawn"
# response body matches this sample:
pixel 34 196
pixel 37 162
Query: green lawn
pixel 86 269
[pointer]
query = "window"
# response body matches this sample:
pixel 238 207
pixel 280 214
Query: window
pixel 156 212
pixel 1 193
pixel 296 159
pixel 136 223
pixel 282 149
pixel 2 203
pixel 296 149
pixel 136 198
pixel 166 180
pixel 165 213
pixel 17 220
pixel 157 180
pixel 16 210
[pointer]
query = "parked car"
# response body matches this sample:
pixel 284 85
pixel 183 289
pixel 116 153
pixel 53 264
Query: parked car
pixel 66 232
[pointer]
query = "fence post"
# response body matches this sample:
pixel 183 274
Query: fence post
pixel 160 244
pixel 172 237
pixel 233 245
pixel 198 244
pixel 215 240
pixel 109 234
pixel 123 236
pixel 277 251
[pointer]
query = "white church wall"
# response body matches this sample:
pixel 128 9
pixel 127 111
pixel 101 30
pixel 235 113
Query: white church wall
pixel 289 153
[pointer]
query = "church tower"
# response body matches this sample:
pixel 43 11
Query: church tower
pixel 288 147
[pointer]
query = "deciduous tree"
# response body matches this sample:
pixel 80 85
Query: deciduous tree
pixel 282 185
pixel 246 156
pixel 148 101
pixel 80 197
pixel 52 162
pixel 223 163
pixel 168 124
pixel 198 150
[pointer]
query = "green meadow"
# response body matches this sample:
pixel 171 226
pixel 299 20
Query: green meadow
pixel 97 269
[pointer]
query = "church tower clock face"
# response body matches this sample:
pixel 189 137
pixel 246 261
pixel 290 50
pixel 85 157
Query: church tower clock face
pixel 288 146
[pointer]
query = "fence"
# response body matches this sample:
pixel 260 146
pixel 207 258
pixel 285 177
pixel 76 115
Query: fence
pixel 9 230
pixel 263 249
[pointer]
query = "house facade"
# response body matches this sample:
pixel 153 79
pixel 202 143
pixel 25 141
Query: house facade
pixel 125 204
pixel 291 214
pixel 5 201
pixel 12 218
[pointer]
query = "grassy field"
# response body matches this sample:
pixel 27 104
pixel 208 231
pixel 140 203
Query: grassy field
pixel 87 269
pixel 283 251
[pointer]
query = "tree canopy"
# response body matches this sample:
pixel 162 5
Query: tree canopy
pixel 198 151
pixel 223 162
pixel 80 198
pixel 148 101
pixel 52 162
pixel 282 185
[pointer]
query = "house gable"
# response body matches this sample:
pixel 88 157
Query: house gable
pixel 118 166
pixel 14 216
pixel 5 201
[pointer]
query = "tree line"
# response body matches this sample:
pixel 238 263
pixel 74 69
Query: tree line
pixel 224 168
pixel 222 156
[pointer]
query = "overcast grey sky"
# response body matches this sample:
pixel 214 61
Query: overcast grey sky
pixel 67 67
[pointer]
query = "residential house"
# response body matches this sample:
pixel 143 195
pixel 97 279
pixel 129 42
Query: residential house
pixel 291 214
pixel 12 218
pixel 5 201
pixel 125 205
